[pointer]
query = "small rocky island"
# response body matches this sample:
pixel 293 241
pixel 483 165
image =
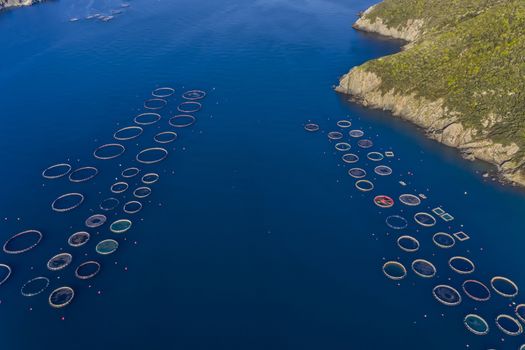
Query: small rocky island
pixel 460 77
pixel 4 4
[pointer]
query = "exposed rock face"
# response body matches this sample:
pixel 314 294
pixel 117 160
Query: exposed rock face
pixel 438 122
pixel 397 83
pixel 408 32
pixel 16 3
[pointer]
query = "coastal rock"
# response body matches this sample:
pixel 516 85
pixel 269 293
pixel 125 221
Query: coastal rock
pixel 16 3
pixel 364 87
pixel 441 81
pixel 408 32
pixel 439 123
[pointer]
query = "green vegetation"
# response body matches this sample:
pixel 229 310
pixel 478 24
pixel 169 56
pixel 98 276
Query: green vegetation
pixel 471 54
pixel 437 14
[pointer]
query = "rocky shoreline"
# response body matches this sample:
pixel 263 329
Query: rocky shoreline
pixel 439 123
pixel 5 4
pixel 409 32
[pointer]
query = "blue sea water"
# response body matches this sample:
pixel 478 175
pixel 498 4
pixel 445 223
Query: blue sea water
pixel 254 237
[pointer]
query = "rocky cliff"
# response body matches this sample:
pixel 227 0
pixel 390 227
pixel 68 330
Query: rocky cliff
pixel 461 79
pixel 409 31
pixel 16 3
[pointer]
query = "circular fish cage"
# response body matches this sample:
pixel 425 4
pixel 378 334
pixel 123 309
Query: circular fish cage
pixel 130 172
pixel 56 171
pixel 165 137
pixel 520 312
pixel 163 92
pixel 408 244
pixel 83 174
pixel 365 143
pixel 425 219
pixel 59 261
pixel 356 133
pixel 394 270
pixel 476 324
pixel 95 220
pixel 410 200
pixel 128 133
pixel 87 270
pixel 34 286
pixel 147 118
pixel 476 290
pixel 364 185
pixel 5 272
pixel 504 286
pixel 383 170
pixel 61 297
pixel 109 151
pixel 350 158
pixel 509 325
pixel 443 240
pixel 193 95
pixel 396 222
pixel 357 173
pixel 461 265
pixel 67 202
pixel 151 155
pixel 120 226
pixel 132 207
pixel 343 146
pixel 383 201
pixel 155 103
pixel 78 239
pixel 106 247
pixel 109 204
pixel 423 268
pixel 142 192
pixel 22 242
pixel 189 107
pixel 119 187
pixel 375 156
pixel 311 127
pixel 150 178
pixel 335 135
pixel 343 123
pixel 182 120
pixel 446 295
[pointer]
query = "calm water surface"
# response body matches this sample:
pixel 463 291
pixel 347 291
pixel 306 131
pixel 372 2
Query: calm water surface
pixel 254 237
